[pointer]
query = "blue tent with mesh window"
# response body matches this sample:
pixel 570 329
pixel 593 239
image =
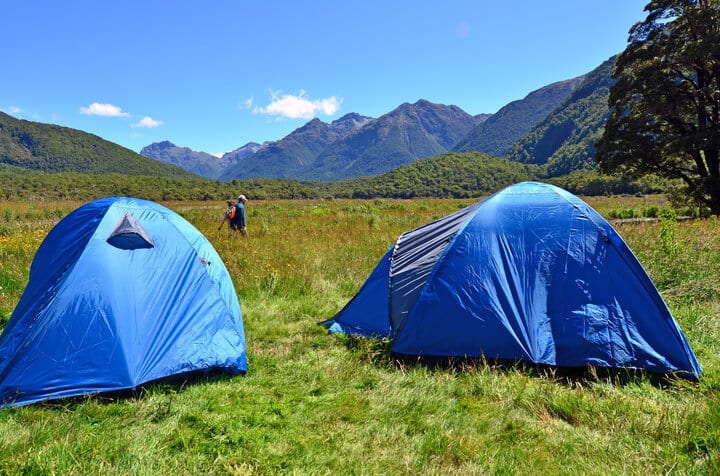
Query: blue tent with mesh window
pixel 530 274
pixel 122 292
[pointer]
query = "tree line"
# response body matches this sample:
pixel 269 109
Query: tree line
pixel 452 175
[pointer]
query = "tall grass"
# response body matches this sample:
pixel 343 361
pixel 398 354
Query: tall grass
pixel 313 403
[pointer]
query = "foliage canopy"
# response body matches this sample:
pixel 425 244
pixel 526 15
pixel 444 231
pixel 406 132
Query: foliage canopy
pixel 665 105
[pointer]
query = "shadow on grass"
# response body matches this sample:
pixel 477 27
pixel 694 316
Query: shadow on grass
pixel 379 353
pixel 164 386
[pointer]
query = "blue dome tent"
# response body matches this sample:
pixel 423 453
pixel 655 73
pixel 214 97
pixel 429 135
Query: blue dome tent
pixel 532 274
pixel 121 292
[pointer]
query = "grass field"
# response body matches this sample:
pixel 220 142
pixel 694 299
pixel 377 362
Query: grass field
pixel 314 403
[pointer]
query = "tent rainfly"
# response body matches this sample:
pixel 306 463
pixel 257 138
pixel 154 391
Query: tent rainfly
pixel 121 292
pixel 532 274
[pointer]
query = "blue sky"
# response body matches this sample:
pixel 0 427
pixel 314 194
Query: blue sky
pixel 218 74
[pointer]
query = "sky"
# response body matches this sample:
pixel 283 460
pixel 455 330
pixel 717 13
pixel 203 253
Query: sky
pixel 218 74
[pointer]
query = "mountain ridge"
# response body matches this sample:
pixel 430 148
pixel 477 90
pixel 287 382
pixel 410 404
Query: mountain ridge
pixel 354 145
pixel 496 135
pixel 564 140
pixel 287 157
pixel 403 135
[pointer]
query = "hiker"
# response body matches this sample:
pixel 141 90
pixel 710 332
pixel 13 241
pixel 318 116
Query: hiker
pixel 229 216
pixel 239 219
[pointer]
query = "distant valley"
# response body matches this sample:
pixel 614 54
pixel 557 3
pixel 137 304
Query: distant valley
pixel 546 127
pixel 552 129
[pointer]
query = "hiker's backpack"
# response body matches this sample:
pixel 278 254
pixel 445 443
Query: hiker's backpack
pixel 231 214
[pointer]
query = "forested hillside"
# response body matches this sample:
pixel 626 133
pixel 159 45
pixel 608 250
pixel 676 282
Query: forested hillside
pixel 565 140
pixel 501 130
pixel 51 148
pixel 447 175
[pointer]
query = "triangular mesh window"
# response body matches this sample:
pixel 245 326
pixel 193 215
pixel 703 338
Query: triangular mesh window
pixel 129 234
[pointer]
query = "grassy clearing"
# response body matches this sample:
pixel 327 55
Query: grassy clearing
pixel 314 403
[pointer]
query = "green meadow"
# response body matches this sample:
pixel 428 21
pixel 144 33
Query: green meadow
pixel 314 403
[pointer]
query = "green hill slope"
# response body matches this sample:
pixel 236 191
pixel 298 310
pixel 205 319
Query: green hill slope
pixel 564 140
pixel 496 135
pixel 448 175
pixel 51 148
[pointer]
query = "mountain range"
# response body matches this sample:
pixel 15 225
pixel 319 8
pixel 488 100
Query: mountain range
pixel 553 128
pixel 548 126
pixel 496 135
pixel 564 140
pixel 200 163
pixel 290 156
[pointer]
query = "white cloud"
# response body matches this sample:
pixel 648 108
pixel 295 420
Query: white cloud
pixel 12 110
pixel 298 106
pixel 148 121
pixel 21 113
pixel 106 110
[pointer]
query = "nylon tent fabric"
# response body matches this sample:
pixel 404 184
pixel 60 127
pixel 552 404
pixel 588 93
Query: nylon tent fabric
pixel 96 318
pixel 366 313
pixel 534 274
pixel 414 257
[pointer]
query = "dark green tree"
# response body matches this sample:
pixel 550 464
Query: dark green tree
pixel 665 103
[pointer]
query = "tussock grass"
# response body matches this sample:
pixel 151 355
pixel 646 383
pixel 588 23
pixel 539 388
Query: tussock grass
pixel 314 403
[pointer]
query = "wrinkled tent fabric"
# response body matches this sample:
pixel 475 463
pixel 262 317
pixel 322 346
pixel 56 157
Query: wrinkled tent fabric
pixel 96 317
pixel 533 274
